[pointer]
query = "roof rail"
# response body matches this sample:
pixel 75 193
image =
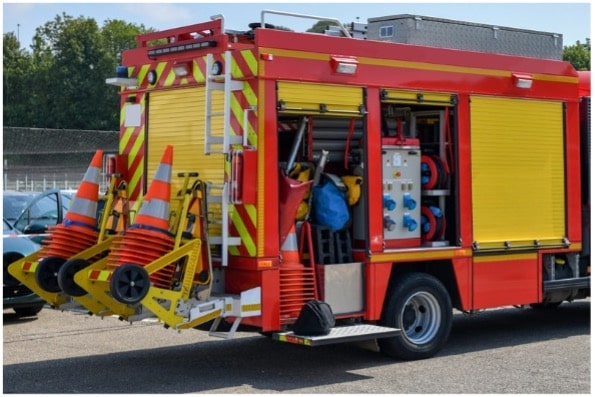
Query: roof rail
pixel 292 14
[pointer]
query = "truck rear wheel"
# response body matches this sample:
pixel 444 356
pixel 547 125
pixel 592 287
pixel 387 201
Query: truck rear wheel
pixel 420 306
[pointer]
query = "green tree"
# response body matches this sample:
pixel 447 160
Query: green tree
pixel 16 81
pixel 119 36
pixel 321 26
pixel 579 55
pixel 61 83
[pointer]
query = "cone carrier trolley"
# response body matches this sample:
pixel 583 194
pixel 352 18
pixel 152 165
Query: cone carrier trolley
pixel 395 182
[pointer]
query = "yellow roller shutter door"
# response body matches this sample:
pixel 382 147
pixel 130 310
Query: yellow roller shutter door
pixel 518 182
pixel 176 117
pixel 307 98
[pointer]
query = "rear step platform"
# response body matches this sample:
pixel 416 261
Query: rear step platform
pixel 350 333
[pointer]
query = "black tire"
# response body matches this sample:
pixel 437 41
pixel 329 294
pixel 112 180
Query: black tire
pixel 420 306
pixel 130 283
pixel 7 259
pixel 66 277
pixel 46 274
pixel 28 311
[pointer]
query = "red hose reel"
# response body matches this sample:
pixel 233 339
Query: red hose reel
pixel 434 172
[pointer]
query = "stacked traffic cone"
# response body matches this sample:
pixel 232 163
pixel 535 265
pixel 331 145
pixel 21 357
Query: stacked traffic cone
pixel 78 231
pixel 297 283
pixel 149 238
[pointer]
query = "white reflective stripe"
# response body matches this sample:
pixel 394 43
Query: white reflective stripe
pixel 92 175
pixel 84 207
pixel 290 243
pixel 155 208
pixel 163 173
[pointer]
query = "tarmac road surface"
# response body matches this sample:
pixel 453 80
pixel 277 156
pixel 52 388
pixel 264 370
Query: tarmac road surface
pixel 497 351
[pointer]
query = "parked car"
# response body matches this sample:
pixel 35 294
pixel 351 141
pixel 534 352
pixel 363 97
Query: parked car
pixel 32 213
pixel 16 296
pixel 26 218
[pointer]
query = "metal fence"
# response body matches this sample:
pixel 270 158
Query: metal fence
pixel 39 185
pixel 37 159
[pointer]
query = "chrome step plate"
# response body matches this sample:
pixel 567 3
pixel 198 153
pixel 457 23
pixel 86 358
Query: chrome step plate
pixel 350 333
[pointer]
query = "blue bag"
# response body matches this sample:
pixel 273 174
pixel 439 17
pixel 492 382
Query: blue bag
pixel 329 205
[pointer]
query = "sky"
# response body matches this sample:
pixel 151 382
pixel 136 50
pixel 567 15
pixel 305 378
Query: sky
pixel 572 20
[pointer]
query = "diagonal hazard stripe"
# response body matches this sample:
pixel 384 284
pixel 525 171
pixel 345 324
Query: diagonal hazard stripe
pixel 197 67
pixel 243 231
pixel 249 57
pixel 100 275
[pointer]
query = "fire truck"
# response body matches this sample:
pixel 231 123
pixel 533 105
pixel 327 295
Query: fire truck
pixel 395 182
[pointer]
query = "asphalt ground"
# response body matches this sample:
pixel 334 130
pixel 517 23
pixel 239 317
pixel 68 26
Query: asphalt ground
pixel 496 351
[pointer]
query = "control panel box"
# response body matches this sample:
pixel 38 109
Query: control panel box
pixel 401 190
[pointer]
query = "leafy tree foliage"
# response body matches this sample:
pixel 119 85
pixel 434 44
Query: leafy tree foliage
pixel 321 26
pixel 61 82
pixel 579 55
pixel 17 86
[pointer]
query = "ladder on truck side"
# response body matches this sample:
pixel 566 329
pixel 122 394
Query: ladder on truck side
pixel 221 142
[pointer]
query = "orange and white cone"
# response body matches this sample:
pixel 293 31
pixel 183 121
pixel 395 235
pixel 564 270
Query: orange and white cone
pixel 83 209
pixel 78 231
pixel 292 275
pixel 154 211
pixel 289 249
pixel 148 238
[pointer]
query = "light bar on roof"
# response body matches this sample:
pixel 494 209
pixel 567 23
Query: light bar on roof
pixel 181 48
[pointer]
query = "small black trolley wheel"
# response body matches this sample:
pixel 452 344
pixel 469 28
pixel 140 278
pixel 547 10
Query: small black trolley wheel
pixel 130 283
pixel 46 274
pixel 66 277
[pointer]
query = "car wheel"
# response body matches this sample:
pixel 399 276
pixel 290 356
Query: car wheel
pixel 7 259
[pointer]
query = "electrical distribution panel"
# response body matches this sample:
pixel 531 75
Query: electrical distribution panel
pixel 401 190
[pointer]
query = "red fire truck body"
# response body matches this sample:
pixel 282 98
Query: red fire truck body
pixel 503 133
pixel 460 178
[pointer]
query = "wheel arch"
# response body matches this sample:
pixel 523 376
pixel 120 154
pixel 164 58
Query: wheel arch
pixel 443 270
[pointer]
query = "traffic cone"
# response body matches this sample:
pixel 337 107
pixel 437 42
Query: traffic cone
pixel 296 280
pixel 78 231
pixel 83 209
pixel 289 249
pixel 148 239
pixel 75 234
pixel 154 211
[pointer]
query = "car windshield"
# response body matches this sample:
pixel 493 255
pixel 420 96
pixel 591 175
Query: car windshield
pixel 27 208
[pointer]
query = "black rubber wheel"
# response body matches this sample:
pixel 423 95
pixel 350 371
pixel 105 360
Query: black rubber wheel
pixel 7 259
pixel 130 283
pixel 46 274
pixel 66 277
pixel 420 306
